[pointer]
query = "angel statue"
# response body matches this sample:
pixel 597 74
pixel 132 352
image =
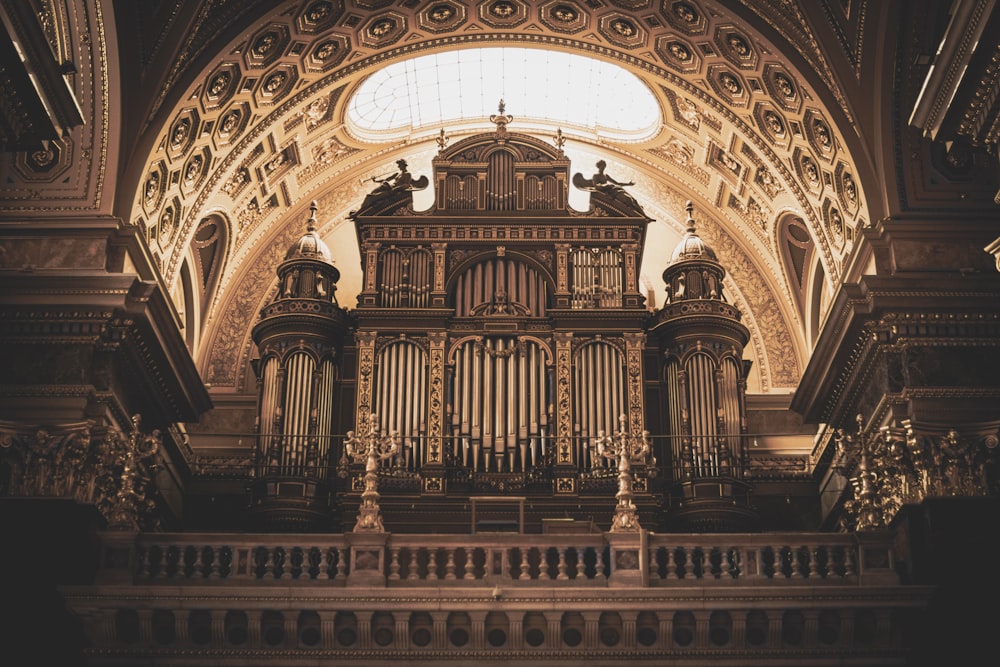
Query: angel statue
pixel 401 181
pixel 607 185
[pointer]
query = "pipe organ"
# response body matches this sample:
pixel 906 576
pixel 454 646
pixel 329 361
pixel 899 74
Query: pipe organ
pixel 704 378
pixel 299 335
pixel 501 333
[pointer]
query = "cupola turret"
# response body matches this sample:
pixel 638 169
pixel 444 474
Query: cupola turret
pixel 299 336
pixel 701 340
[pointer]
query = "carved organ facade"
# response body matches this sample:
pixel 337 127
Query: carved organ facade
pixel 495 330
pixel 501 334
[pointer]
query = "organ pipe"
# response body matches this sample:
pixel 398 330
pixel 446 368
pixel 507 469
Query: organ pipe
pixel 478 286
pixel 598 391
pixel 503 413
pixel 402 391
pixel 596 277
pixel 324 409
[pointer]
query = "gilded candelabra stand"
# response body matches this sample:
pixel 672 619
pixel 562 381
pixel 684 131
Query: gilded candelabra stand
pixel 626 449
pixel 370 446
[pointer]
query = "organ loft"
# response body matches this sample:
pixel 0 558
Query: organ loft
pixel 500 395
pixel 501 338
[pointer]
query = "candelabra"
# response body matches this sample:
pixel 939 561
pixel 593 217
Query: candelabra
pixel 370 446
pixel 625 449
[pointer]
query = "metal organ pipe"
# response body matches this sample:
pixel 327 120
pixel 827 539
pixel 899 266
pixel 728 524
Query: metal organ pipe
pixel 731 409
pixel 674 416
pixel 701 383
pixel 421 274
pixel 298 382
pixel 402 390
pixel 392 264
pixel 268 407
pixel 324 410
pixel 504 394
pixel 599 379
pixel 480 283
pixel 500 181
pixel 596 278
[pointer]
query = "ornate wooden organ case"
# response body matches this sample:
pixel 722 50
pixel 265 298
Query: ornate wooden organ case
pixel 500 331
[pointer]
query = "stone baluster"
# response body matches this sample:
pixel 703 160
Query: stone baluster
pixel 211 568
pixel 724 564
pixel 283 563
pixel 599 563
pixel 800 570
pixel 468 567
pixel 413 564
pixel 323 566
pixel 142 563
pixel 525 572
pixel 850 562
pixel 432 568
pixel 671 564
pixel 561 567
pixel 779 562
pixel 814 561
pixel 341 570
pixel 394 563
pixel 449 566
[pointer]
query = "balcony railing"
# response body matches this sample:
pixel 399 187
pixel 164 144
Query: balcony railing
pixel 823 559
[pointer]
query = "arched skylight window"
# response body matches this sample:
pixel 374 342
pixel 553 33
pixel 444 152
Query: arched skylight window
pixel 538 86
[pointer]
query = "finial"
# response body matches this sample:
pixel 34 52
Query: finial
pixel 311 225
pixel 501 121
pixel 559 140
pixel 442 140
pixel 690 211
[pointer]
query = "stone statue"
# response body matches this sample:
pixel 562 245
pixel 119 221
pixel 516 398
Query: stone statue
pixel 607 185
pixel 401 181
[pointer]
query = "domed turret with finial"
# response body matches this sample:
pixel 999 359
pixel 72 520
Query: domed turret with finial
pixel 300 337
pixel 308 271
pixel 701 341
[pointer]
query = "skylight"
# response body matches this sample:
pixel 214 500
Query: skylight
pixel 541 86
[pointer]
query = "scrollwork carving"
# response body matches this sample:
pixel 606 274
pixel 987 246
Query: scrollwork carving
pixel 113 472
pixel 907 464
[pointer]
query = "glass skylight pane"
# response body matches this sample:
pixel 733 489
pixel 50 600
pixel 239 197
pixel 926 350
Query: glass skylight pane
pixel 561 88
